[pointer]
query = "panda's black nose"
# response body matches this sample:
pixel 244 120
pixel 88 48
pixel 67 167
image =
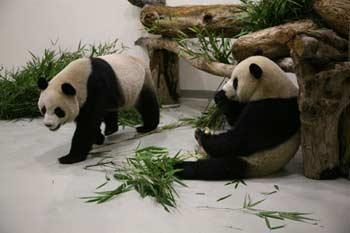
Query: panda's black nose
pixel 48 125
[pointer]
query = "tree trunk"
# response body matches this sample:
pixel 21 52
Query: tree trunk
pixel 164 67
pixel 336 13
pixel 324 93
pixel 286 64
pixel 344 138
pixel 271 42
pixel 172 21
pixel 215 68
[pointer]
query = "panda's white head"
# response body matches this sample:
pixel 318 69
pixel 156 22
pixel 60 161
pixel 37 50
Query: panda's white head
pixel 57 105
pixel 258 78
pixel 61 99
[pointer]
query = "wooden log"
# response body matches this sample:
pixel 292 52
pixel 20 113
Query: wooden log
pixel 344 137
pixel 272 42
pixel 324 94
pixel 215 68
pixel 172 21
pixel 142 3
pixel 164 67
pixel 336 13
pixel 286 64
pixel 321 47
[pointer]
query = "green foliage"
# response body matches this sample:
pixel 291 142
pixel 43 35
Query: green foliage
pixel 256 15
pixel 211 118
pixel 154 28
pixel 208 45
pixel 267 13
pixel 250 207
pixel 18 88
pixel 150 173
pixel 129 117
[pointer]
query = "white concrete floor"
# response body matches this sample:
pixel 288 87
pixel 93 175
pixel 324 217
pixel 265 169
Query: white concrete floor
pixel 39 195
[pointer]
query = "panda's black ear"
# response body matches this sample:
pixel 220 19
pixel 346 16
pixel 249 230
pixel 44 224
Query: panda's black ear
pixel 42 84
pixel 255 70
pixel 68 89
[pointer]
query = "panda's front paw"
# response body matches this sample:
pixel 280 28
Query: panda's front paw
pixel 69 159
pixel 220 97
pixel 199 135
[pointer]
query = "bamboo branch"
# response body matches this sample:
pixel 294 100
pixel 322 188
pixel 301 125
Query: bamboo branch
pixel 215 68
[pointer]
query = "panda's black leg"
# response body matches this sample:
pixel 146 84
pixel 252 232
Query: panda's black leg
pixel 111 121
pixel 100 138
pixel 230 108
pixel 148 107
pixel 212 169
pixel 84 137
pixel 219 145
pixel 86 133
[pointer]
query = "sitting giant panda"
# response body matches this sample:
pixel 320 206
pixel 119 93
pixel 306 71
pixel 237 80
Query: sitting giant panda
pixel 90 91
pixel 260 104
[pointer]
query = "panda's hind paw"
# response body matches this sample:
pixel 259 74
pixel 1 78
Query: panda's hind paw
pixel 111 129
pixel 100 139
pixel 69 159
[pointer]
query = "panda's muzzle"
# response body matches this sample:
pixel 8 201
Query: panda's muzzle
pixel 54 129
pixel 50 126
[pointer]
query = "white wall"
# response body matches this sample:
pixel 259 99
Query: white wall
pixel 29 25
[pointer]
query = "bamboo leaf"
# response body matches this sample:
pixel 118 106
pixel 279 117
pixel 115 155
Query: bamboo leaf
pixel 268 193
pixel 277 227
pixel 267 222
pixel 223 198
pixel 100 186
pixel 255 203
pixel 151 173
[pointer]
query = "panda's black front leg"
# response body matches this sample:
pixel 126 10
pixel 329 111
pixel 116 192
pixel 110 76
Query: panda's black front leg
pixel 222 102
pixel 230 108
pixel 111 121
pixel 219 145
pixel 100 138
pixel 83 139
pixel 85 136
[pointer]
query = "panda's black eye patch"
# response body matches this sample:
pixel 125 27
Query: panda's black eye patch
pixel 43 110
pixel 235 83
pixel 59 112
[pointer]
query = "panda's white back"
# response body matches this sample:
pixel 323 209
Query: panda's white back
pixel 131 74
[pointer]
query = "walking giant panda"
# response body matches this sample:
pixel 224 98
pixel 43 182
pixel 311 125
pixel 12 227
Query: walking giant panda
pixel 260 104
pixel 90 91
